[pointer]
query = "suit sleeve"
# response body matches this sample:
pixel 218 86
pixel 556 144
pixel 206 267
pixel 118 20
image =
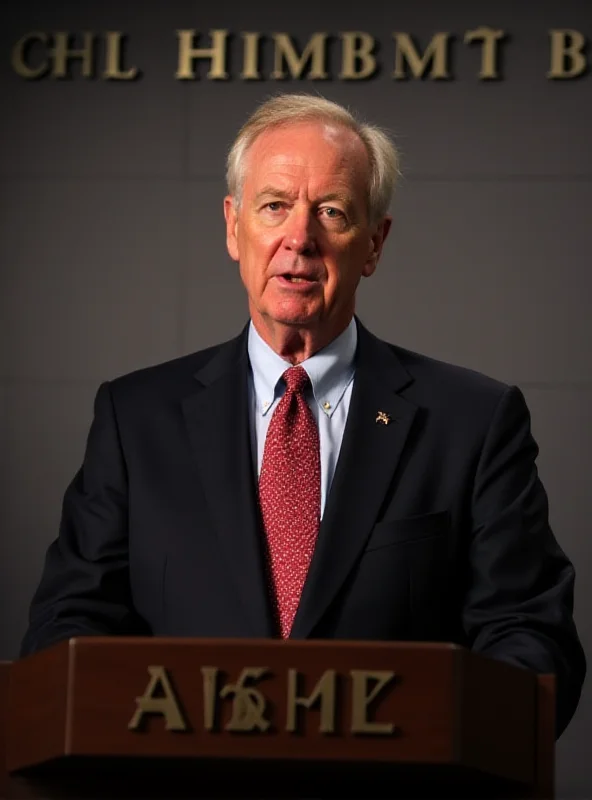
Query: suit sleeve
pixel 84 588
pixel 520 598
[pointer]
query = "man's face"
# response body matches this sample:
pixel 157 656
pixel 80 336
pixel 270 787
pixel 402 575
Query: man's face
pixel 302 234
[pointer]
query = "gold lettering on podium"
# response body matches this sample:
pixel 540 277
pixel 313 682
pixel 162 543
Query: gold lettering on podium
pixel 209 678
pixel 362 698
pixel 159 698
pixel 323 692
pixel 406 54
pixel 567 59
pixel 249 709
pixel 248 703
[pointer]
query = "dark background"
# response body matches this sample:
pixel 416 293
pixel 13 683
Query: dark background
pixel 112 252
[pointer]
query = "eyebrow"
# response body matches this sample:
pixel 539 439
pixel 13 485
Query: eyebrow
pixel 273 191
pixel 269 190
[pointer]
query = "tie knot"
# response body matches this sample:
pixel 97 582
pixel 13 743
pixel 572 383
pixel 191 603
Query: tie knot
pixel 296 379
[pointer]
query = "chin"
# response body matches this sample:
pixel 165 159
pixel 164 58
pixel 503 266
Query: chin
pixel 298 317
pixel 296 320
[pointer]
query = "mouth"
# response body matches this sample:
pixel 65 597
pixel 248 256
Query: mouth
pixel 289 279
pixel 298 279
pixel 299 284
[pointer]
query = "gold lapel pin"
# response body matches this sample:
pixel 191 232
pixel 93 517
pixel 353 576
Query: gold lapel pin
pixel 383 418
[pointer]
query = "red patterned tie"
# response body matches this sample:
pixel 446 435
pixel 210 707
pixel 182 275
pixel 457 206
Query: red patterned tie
pixel 290 494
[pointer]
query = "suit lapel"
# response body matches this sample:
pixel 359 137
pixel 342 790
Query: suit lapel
pixel 368 458
pixel 217 418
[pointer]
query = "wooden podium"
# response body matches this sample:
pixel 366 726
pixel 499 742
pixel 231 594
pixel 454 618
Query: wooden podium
pixel 148 717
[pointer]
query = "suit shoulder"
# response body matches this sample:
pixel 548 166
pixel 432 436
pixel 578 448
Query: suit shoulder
pixel 457 398
pixel 451 391
pixel 447 375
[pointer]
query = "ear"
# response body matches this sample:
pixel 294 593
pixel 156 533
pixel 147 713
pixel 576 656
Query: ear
pixel 376 244
pixel 231 217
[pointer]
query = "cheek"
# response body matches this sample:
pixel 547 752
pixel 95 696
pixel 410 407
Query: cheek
pixel 258 251
pixel 254 263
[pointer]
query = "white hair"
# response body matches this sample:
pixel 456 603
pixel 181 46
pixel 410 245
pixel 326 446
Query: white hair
pixel 290 109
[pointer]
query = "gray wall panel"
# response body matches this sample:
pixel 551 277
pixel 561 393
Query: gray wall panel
pixel 45 427
pixel 95 127
pixel 485 274
pixel 523 125
pixel 89 284
pixel 561 425
pixel 516 128
pixel 214 306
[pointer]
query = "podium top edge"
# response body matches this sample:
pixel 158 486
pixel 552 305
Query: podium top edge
pixel 190 641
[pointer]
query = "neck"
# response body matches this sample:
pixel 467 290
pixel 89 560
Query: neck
pixel 295 344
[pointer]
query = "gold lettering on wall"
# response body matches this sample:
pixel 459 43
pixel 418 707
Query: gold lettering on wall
pixel 567 58
pixel 323 692
pixel 159 698
pixel 19 54
pixel 250 57
pixel 188 53
pixel 489 37
pixel 362 698
pixel 113 57
pixel 285 53
pixel 406 55
pixel 40 54
pixel 63 53
pixel 357 59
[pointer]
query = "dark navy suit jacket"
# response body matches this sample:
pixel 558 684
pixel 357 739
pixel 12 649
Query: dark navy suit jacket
pixel 435 528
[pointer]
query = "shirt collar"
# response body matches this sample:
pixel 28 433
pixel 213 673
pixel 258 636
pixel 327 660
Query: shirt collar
pixel 331 370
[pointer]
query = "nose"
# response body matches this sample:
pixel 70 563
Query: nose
pixel 299 232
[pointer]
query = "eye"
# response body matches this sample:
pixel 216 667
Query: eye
pixel 332 213
pixel 333 217
pixel 273 205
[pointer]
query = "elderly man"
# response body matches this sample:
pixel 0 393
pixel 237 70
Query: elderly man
pixel 307 479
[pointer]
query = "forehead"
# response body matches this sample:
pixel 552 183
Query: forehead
pixel 315 152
